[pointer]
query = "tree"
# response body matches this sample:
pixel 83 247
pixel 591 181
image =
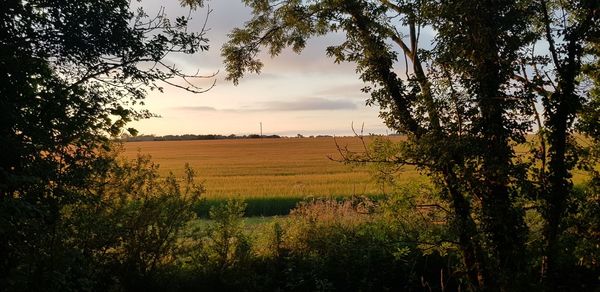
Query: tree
pixel 72 73
pixel 556 81
pixel 464 103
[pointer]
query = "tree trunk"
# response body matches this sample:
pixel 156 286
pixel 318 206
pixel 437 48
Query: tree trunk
pixel 564 105
pixel 502 224
pixel 470 245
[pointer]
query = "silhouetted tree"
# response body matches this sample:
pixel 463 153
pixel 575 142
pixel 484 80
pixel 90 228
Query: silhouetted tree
pixel 71 73
pixel 464 102
pixel 555 80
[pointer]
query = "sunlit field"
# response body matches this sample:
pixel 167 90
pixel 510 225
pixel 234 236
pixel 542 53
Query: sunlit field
pixel 267 168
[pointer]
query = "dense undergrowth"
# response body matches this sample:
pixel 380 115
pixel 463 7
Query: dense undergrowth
pixel 324 245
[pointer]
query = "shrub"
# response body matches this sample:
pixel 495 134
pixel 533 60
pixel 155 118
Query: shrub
pixel 351 246
pixel 220 249
pixel 129 226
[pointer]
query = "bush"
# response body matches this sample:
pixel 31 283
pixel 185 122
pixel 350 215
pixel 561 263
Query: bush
pixel 219 250
pixel 351 246
pixel 128 229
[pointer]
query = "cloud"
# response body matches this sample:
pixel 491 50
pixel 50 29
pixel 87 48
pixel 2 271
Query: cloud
pixel 196 108
pixel 304 104
pixel 307 104
pixel 351 90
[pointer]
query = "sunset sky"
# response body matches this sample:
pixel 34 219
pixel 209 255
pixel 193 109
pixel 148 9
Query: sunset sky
pixel 295 94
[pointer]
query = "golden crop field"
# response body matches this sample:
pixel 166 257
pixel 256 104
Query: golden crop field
pixel 263 168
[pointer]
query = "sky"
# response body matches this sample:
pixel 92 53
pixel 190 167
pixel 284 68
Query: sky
pixel 304 94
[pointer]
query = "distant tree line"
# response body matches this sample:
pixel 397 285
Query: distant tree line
pixel 130 138
pixel 185 137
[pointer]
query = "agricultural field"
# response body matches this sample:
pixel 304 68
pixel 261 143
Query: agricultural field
pixel 273 175
pixel 267 168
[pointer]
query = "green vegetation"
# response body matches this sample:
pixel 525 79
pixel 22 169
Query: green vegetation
pixel 77 216
pixel 255 207
pixel 464 100
pixel 71 73
pixel 323 245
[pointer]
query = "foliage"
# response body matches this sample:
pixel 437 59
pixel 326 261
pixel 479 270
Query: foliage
pixel 255 207
pixel 122 235
pixel 220 250
pixel 131 221
pixel 333 245
pixel 464 103
pixel 325 245
pixel 74 217
pixel 72 73
pixel 226 243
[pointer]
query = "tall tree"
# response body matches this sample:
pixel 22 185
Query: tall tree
pixel 556 74
pixel 462 103
pixel 71 73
